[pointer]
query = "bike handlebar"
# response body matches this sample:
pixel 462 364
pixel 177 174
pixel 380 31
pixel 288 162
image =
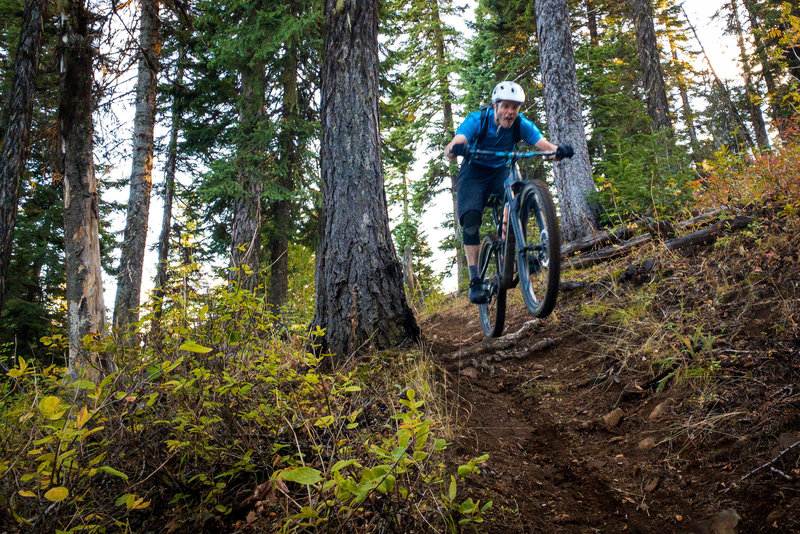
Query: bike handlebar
pixel 465 150
pixel 511 154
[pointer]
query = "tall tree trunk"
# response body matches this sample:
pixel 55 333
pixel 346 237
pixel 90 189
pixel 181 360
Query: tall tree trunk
pixel 84 291
pixel 573 177
pixel 750 93
pixel 169 194
pixel 688 114
pixel 247 210
pixel 287 176
pixel 129 279
pixel 17 135
pixel 360 296
pixel 449 131
pixel 650 62
pixel 767 67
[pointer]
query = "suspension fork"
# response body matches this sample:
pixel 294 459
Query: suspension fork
pixel 513 228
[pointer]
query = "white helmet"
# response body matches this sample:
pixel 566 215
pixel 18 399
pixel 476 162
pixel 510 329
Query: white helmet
pixel 508 91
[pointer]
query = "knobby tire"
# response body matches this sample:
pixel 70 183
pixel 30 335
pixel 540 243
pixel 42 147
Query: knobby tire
pixel 539 261
pixel 493 313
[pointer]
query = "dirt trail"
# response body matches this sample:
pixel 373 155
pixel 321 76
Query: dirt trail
pixel 557 466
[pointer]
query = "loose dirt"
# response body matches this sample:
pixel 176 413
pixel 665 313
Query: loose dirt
pixel 589 435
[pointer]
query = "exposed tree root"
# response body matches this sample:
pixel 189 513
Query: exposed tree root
pixel 492 345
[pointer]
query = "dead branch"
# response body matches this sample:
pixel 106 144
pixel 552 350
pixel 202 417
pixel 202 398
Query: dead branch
pixel 760 467
pixel 623 232
pixel 703 217
pixel 542 344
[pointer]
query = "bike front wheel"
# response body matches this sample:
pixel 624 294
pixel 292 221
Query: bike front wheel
pixel 493 312
pixel 539 257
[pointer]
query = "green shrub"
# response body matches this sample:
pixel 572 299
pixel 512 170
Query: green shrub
pixel 220 420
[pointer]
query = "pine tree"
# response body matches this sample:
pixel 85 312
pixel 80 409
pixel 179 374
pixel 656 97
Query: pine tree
pixel 422 46
pixel 360 296
pixel 162 277
pixel 15 145
pixel 247 209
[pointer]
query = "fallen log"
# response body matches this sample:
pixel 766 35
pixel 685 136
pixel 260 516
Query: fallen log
pixel 596 239
pixel 604 254
pixel 703 217
pixel 710 234
pixel 623 232
pixel 704 236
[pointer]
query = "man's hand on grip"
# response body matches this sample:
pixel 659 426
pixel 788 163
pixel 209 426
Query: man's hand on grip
pixel 564 151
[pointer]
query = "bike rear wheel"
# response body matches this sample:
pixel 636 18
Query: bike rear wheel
pixel 539 259
pixel 493 313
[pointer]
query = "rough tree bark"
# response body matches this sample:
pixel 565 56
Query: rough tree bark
pixel 650 62
pixel 750 93
pixel 131 265
pixel 17 135
pixel 84 291
pixel 573 177
pixel 360 296
pixel 247 209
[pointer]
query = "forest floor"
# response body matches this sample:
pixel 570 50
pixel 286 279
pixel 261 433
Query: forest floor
pixel 667 399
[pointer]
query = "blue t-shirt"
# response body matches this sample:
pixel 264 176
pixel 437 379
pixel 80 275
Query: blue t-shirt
pixel 496 138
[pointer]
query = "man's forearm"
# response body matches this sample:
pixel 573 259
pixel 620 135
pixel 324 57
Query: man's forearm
pixel 544 144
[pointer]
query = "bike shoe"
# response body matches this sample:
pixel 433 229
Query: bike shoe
pixel 478 293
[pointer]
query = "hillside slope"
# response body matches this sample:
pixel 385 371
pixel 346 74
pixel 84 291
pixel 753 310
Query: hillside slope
pixel 666 399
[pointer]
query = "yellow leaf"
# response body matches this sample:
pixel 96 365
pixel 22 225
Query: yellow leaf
pixel 26 493
pixel 51 407
pixel 82 418
pixel 57 494
pixel 191 346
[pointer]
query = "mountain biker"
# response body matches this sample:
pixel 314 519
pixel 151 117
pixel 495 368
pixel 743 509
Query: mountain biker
pixel 497 127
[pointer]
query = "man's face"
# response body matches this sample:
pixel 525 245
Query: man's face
pixel 505 113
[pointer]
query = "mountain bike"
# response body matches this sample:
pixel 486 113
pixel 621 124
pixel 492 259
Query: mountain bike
pixel 526 248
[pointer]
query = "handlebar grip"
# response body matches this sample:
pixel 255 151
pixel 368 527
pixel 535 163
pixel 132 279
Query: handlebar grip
pixel 460 150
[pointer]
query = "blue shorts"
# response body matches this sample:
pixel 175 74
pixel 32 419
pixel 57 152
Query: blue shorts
pixel 479 186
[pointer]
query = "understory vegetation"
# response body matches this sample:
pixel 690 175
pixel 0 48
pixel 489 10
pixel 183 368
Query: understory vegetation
pixel 709 325
pixel 224 419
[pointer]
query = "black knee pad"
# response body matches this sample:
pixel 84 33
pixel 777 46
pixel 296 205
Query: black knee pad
pixel 471 226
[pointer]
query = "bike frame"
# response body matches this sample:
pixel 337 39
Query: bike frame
pixel 509 241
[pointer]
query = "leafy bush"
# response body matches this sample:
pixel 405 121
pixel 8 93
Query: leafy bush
pixel 219 422
pixel 743 179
